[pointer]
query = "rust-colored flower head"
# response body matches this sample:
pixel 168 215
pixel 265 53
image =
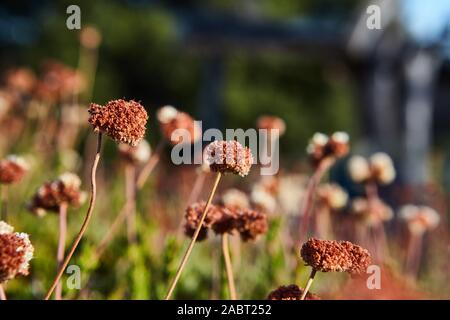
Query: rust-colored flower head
pixel 225 220
pixel 16 251
pixel 135 155
pixel 59 82
pixel 234 198
pixel 229 156
pixel 251 224
pixel 178 127
pixel 51 195
pixel 12 169
pixel 21 80
pixel 271 123
pixel 193 215
pixel 332 196
pixel 321 147
pixel 290 292
pixel 419 219
pixel 373 212
pixel 338 256
pixel 123 121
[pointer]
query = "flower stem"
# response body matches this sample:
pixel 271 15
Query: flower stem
pixel 194 239
pixel 61 245
pixel 2 293
pixel 228 266
pixel 150 165
pixel 86 220
pixel 308 285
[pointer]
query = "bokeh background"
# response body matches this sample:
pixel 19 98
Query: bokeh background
pixel 315 64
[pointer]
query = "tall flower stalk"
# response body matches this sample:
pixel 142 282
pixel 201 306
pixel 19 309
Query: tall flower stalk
pixel 123 121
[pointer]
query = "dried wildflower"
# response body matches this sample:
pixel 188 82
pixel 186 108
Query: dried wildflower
pixel 332 195
pixel 58 82
pixel 193 216
pixel 51 195
pixel 419 218
pixel 271 123
pixel 136 155
pixel 371 212
pixel 379 169
pixel 21 80
pixel 178 127
pixel 123 121
pixel 290 292
pixel 321 146
pixel 250 224
pixel 16 252
pixel 229 156
pixel 339 256
pixel 12 169
pixel 382 168
pixel 225 220
pixel 234 198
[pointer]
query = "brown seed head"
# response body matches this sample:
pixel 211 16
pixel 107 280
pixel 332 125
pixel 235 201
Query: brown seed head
pixel 339 256
pixel 193 215
pixel 12 169
pixel 229 156
pixel 251 224
pixel 177 127
pixel 290 292
pixel 321 147
pixel 16 252
pixel 51 195
pixel 123 121
pixel 226 221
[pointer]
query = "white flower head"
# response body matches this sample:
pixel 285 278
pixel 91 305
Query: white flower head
pixel 70 180
pixel 5 228
pixel 359 169
pixel 166 114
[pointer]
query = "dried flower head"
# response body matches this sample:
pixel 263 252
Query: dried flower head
pixel 16 252
pixel 290 292
pixel 371 212
pixel 250 224
pixel 234 198
pixel 12 169
pixel 359 169
pixel 321 146
pixel 332 195
pixel 419 218
pixel 226 220
pixel 339 256
pixel 193 215
pixel 123 121
pixel 229 156
pixel 51 195
pixel 178 127
pixel 135 155
pixel 272 123
pixel 22 80
pixel 382 168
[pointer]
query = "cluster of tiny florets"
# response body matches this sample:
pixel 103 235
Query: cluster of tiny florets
pixel 378 168
pixel 123 121
pixel 229 156
pixel 321 146
pixel 371 212
pixel 177 126
pixel 332 196
pixel 16 251
pixel 419 219
pixel 339 256
pixel 290 292
pixel 12 169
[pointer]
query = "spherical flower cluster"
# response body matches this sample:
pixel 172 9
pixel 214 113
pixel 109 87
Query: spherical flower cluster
pixel 271 123
pixel 290 292
pixel 371 212
pixel 234 198
pixel 379 168
pixel 321 146
pixel 339 256
pixel 178 127
pixel 123 121
pixel 135 155
pixel 12 169
pixel 16 251
pixel 229 156
pixel 51 195
pixel 419 219
pixel 332 196
pixel 58 82
pixel 248 223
